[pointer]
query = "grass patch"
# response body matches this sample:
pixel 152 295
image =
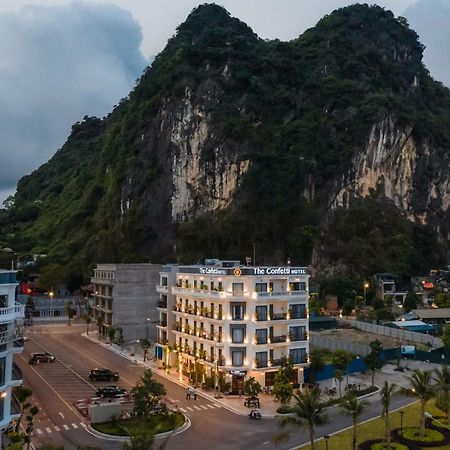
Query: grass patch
pixel 394 446
pixel 375 428
pixel 159 423
pixel 413 434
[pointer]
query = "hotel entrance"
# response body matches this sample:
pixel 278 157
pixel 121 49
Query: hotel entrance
pixel 237 381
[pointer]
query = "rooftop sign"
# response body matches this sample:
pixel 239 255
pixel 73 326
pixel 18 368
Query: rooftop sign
pixel 246 271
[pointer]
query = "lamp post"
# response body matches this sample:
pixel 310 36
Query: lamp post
pixel 51 293
pixel 366 286
pixel 326 437
pixel 401 422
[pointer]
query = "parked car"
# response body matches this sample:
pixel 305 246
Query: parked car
pixel 41 357
pixel 103 374
pixel 111 391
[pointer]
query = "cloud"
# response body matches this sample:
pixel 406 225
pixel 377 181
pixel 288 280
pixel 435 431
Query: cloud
pixel 430 19
pixel 58 64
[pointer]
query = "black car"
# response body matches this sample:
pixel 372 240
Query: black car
pixel 41 357
pixel 110 391
pixel 103 375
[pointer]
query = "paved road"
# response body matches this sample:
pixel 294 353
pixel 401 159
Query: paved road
pixel 56 385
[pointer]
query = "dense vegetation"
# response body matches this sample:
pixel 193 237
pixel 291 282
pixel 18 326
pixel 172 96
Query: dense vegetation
pixel 297 110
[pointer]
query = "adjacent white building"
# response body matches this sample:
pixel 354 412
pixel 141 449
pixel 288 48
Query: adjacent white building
pixel 11 341
pixel 235 320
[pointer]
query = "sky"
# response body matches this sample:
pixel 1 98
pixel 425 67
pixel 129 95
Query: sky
pixel 61 60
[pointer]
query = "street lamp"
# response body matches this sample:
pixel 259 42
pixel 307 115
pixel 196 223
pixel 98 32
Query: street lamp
pixel 326 437
pixel 366 286
pixel 401 422
pixel 51 293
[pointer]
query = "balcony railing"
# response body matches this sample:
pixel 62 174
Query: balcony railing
pixel 278 316
pixel 200 333
pixel 12 312
pixel 8 336
pixel 162 304
pixel 162 323
pixel 278 339
pixel 282 294
pixel 199 312
pixel 298 316
pixel 202 292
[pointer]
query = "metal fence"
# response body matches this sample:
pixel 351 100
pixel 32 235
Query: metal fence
pixel 328 342
pixel 396 333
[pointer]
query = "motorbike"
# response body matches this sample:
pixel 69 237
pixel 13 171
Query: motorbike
pixel 255 414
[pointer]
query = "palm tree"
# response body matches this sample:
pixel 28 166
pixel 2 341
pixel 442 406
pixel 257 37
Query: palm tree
pixel 442 378
pixel 420 382
pixel 146 345
pixel 88 320
pixel 386 395
pixel 353 408
pixel 310 411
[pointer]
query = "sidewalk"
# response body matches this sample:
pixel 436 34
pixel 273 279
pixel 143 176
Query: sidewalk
pixel 233 403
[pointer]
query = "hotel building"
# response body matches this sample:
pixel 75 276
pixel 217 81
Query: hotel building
pixel 11 341
pixel 234 320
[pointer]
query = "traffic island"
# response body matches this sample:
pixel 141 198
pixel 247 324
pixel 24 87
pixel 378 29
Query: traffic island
pixel 162 425
pixel 430 438
pixel 380 444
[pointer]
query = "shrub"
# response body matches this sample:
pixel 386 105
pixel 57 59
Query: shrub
pixel 285 409
pixel 413 434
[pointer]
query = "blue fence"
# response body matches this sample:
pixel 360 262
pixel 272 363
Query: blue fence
pixel 357 365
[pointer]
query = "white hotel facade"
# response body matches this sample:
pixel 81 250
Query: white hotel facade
pixel 232 319
pixel 11 341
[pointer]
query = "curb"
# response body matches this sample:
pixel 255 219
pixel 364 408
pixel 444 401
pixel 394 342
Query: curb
pixel 110 437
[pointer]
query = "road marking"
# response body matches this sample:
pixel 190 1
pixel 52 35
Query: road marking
pixel 183 410
pixel 204 407
pixel 196 407
pixel 65 427
pixel 56 428
pixel 75 425
pixel 189 408
pixel 48 430
pixel 61 414
pixel 210 406
pixel 38 431
pixel 83 424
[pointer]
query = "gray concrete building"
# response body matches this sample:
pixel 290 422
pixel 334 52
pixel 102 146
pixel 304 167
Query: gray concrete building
pixel 125 297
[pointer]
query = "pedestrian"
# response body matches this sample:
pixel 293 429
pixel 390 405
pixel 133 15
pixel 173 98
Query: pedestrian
pixel 188 393
pixel 194 391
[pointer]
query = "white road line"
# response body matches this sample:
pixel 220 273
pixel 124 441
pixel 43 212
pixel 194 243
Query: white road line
pixel 38 431
pixel 197 408
pixel 183 410
pixel 210 406
pixel 83 424
pixel 189 408
pixel 48 430
pixel 75 425
pixel 204 407
pixel 61 414
pixel 65 427
pixel 56 428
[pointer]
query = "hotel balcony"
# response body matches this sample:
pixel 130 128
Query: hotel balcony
pixel 282 339
pixel 162 323
pixel 12 313
pixel 198 312
pixel 162 304
pixel 280 295
pixel 161 289
pixel 200 293
pixel 199 333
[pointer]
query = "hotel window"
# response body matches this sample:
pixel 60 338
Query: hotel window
pixel 202 284
pixel 212 285
pixel 261 287
pixel 297 311
pixel 237 311
pixel 237 358
pixel 220 286
pixel 3 301
pixel 2 371
pixel 195 284
pixel 261 359
pixel 261 336
pixel 297 333
pixel 298 286
pixel 238 289
pixel 164 281
pixel 237 334
pixel 261 312
pixel 297 355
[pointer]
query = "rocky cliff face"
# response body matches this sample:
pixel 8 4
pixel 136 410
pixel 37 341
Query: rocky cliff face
pixel 230 143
